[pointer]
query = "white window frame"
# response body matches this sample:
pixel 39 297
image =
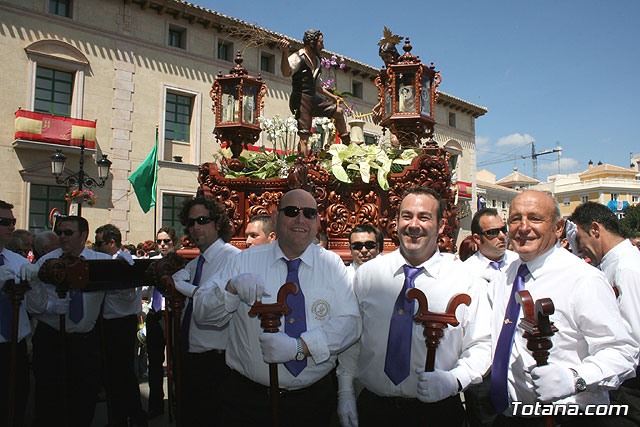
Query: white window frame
pixel 194 127
pixel 635 198
pixel 566 201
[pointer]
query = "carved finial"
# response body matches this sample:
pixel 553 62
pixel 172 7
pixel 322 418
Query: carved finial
pixel 407 46
pixel 239 59
pixel 219 73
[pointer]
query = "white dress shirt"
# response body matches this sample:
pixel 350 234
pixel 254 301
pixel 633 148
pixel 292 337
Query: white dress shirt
pixel 333 322
pixel 122 302
pixel 464 350
pixel 15 261
pixel 478 262
pixel 591 338
pixel 621 265
pixel 90 304
pixel 203 337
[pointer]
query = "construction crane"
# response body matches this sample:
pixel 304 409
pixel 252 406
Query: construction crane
pixel 533 156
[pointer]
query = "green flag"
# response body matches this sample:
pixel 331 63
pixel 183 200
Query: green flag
pixel 145 178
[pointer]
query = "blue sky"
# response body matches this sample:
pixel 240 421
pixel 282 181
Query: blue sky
pixel 561 73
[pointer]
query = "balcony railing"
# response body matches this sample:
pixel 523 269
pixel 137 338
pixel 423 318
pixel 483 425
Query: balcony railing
pixel 58 130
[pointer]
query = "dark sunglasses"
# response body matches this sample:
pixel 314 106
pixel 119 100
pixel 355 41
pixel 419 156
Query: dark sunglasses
pixel 165 241
pixel 494 231
pixel 7 222
pixel 65 232
pixel 357 246
pixel 201 220
pixel 293 211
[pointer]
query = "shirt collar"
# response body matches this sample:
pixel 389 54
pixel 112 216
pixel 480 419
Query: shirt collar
pixel 431 266
pixel 536 264
pixel 615 253
pixel 306 257
pixel 212 250
pixel 486 261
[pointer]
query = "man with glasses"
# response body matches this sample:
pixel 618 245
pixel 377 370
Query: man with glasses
pixel 389 358
pixel 119 330
pixel 365 242
pixel 166 241
pixel 202 346
pixel 491 260
pixel 80 343
pixel 324 320
pixel 260 230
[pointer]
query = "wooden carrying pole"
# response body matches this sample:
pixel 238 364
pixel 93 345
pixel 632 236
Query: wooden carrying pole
pixel 538 330
pixel 270 315
pixel 435 323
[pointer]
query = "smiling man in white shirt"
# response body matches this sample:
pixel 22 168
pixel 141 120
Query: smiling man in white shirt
pixel 390 356
pixel 324 320
pixel 592 351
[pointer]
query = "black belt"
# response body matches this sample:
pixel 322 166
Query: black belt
pixel 282 392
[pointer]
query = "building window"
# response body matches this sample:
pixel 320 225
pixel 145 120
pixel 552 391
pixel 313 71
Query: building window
pixel 614 196
pixel 635 198
pixel 356 89
pixel 42 200
pixel 53 94
pixel 566 201
pixel 177 37
pixel 452 120
pixel 171 206
pixel 584 199
pixel 177 117
pixel 267 62
pixel 60 7
pixel 494 203
pixel 225 50
pixel 504 205
pixel 453 162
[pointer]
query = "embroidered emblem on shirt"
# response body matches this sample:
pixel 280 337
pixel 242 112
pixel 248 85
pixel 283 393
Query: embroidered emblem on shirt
pixel 320 309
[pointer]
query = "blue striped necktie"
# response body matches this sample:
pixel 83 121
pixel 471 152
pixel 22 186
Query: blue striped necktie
pixel 295 323
pixel 186 320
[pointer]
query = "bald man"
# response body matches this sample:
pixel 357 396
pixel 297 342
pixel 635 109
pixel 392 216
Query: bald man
pixel 324 321
pixel 592 351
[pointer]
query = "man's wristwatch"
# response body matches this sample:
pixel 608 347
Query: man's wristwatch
pixel 579 382
pixel 299 350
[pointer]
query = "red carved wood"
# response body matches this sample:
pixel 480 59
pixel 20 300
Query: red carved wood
pixel 435 323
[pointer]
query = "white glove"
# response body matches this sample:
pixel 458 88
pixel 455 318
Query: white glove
pixel 181 274
pixel 435 386
pixel 185 288
pixel 58 306
pixel 552 382
pixel 278 347
pixel 6 273
pixel 29 272
pixel 124 255
pixel 249 287
pixel 347 408
pixel 571 231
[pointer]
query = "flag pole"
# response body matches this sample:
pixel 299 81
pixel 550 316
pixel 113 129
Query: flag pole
pixel 155 208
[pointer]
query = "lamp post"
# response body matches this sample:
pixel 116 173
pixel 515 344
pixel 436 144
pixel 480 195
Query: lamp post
pixel 80 178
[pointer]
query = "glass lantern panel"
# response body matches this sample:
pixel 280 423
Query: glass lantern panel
pixel 406 92
pixel 425 96
pixel 387 101
pixel 250 104
pixel 230 105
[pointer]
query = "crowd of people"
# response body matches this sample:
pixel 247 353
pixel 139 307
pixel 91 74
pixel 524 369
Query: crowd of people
pixel 348 351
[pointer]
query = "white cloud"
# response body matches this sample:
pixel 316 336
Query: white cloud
pixel 482 141
pixel 515 139
pixel 566 164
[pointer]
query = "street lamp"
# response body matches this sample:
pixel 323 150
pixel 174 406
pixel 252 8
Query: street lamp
pixel 80 178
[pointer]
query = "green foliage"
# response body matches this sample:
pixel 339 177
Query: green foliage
pixel 264 165
pixel 630 224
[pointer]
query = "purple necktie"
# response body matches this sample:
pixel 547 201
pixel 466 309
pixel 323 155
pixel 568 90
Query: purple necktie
pixel 6 311
pixel 76 306
pixel 398 358
pixel 500 366
pixel 156 301
pixel 495 265
pixel 186 320
pixel 295 323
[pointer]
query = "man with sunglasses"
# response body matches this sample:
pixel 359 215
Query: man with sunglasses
pixel 119 331
pixel 81 362
pixel 10 263
pixel 491 260
pixel 324 320
pixel 365 242
pixel 389 358
pixel 202 347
